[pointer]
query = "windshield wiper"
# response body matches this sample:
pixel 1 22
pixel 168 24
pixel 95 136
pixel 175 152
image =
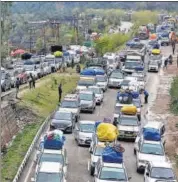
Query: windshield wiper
pixel 115 179
pixel 153 153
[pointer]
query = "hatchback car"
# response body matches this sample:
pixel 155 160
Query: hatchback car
pixel 87 101
pixel 99 96
pixel 115 79
pixel 159 171
pixel 63 120
pixel 83 132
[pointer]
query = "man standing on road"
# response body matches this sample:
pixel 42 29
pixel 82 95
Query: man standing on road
pixel 146 95
pixel 166 63
pixel 173 46
pixel 72 63
pixel 60 91
pixel 17 85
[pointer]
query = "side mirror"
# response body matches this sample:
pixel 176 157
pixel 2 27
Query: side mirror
pixel 147 174
pixel 32 179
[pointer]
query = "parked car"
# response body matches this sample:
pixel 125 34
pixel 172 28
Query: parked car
pixel 115 79
pixel 159 171
pixel 83 132
pixel 102 81
pixel 87 101
pixel 153 66
pixel 5 81
pixel 14 75
pixel 63 120
pixel 99 96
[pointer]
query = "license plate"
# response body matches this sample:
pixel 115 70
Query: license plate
pixel 88 141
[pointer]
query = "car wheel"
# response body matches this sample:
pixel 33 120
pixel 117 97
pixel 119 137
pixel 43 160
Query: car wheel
pixel 92 170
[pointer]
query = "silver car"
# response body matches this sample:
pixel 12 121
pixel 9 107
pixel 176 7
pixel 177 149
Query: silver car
pixel 99 96
pixel 87 101
pixel 102 81
pixel 83 132
pixel 115 79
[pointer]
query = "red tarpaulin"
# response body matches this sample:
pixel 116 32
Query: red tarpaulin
pixel 17 52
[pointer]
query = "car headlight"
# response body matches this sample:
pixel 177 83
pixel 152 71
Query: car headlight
pixel 121 132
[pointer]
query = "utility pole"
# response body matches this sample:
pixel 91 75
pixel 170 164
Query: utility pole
pixel 31 32
pixel 76 27
pixel 44 39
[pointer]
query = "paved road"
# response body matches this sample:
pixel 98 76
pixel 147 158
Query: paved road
pixel 78 156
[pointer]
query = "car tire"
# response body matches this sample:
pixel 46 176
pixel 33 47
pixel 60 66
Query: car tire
pixel 92 170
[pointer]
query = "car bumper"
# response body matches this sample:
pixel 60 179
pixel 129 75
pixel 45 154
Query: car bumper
pixel 86 108
pixel 141 166
pixel 84 142
pixel 153 69
pixel 116 85
pixel 127 136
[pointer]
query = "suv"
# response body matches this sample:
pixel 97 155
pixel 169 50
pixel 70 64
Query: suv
pixel 160 126
pixel 71 103
pixel 87 101
pixel 128 126
pixel 158 171
pixel 49 170
pixel 149 151
pixel 110 172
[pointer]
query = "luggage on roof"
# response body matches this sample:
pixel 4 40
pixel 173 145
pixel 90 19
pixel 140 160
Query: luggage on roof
pixel 151 134
pixel 139 68
pixel 112 155
pixel 54 140
pixel 88 72
pixel 124 98
pixel 99 72
pixel 135 95
pixel 130 110
pixel 106 132
pixel 156 51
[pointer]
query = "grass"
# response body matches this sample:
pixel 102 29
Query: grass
pixel 43 100
pixel 174 96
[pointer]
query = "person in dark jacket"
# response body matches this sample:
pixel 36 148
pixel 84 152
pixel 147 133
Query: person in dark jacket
pixel 72 63
pixel 173 46
pixel 60 91
pixel 17 85
pixel 146 96
pixel 166 63
pixel 31 81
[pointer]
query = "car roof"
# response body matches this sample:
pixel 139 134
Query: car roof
pixel 71 96
pixel 163 164
pixel 48 151
pixel 94 87
pixel 86 122
pixel 119 165
pixel 50 167
pixel 85 92
pixel 62 110
pixel 153 124
pixel 151 142
pixel 133 57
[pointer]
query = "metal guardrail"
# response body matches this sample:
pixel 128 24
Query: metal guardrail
pixel 31 148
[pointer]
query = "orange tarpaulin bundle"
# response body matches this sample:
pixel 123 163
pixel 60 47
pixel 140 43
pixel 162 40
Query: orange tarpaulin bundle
pixel 153 36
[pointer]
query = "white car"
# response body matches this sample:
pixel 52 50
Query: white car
pixel 128 126
pixel 149 151
pixel 115 79
pixel 102 81
pixel 153 66
pixel 159 171
pixel 49 170
pixel 160 126
pixel 47 68
pixel 95 155
pixel 83 132
pixel 112 172
pixel 31 70
pixel 85 82
pixel 99 96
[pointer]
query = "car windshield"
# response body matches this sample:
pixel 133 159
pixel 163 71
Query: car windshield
pixel 46 177
pixel 29 68
pixel 62 116
pixel 98 151
pixel 49 60
pixel 95 90
pixel 153 63
pixel 52 158
pixel 116 75
pixel 101 79
pixel 117 109
pixel 87 97
pixel 69 104
pixel 128 121
pixel 155 149
pixel 87 128
pixel 132 64
pixel 86 82
pixel 112 174
pixel 162 173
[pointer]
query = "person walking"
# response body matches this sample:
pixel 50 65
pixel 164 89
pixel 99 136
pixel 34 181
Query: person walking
pixel 30 80
pixel 173 46
pixel 17 85
pixel 33 82
pixel 72 63
pixel 166 63
pixel 60 91
pixel 146 96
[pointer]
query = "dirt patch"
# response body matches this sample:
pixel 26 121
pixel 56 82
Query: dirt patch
pixel 161 107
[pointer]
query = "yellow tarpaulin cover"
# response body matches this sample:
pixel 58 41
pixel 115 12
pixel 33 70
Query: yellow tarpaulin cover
pixel 131 110
pixel 107 132
pixel 58 54
pixel 156 51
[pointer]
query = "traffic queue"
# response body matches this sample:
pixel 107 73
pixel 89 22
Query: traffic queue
pixel 103 137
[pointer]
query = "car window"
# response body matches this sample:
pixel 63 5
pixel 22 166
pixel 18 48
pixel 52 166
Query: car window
pixel 155 149
pixel 46 177
pixel 162 173
pixel 87 97
pixel 101 79
pixel 95 90
pixel 86 82
pixel 62 116
pixel 117 75
pixel 87 128
pixel 98 151
pixel 69 104
pixel 128 121
pixel 112 173
pixel 52 158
